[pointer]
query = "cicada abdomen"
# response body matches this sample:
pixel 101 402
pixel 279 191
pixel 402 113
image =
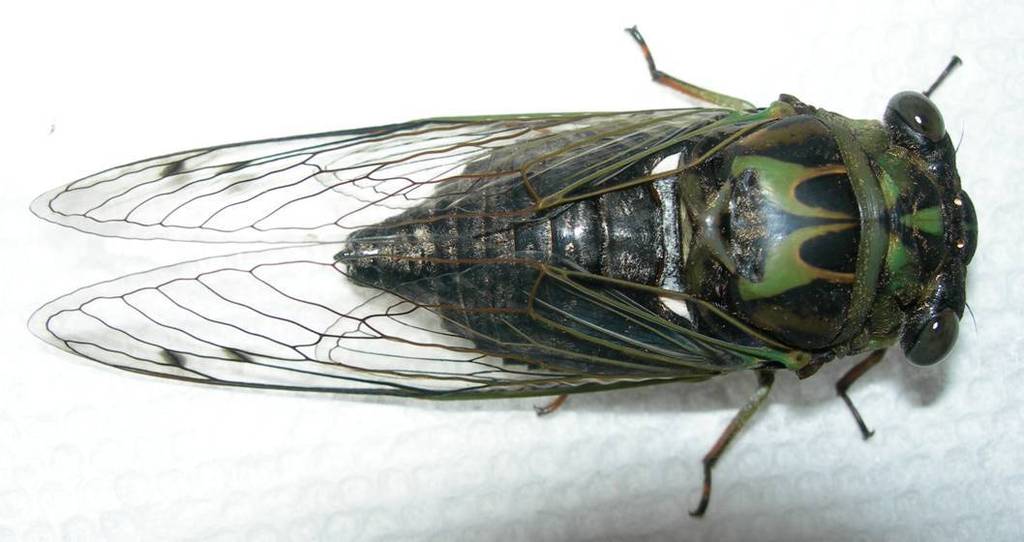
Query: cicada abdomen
pixel 478 254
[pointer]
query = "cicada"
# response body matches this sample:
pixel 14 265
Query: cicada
pixel 542 254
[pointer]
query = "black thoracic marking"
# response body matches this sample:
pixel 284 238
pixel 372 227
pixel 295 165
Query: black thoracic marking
pixel 835 251
pixel 808 316
pixel 831 192
pixel 801 139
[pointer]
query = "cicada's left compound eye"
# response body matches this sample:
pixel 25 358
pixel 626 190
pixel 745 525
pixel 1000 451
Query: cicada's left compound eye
pixel 915 115
pixel 933 340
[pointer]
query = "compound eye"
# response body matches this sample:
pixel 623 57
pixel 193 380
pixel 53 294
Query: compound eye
pixel 920 114
pixel 934 340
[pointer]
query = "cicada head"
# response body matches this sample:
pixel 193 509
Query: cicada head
pixel 933 226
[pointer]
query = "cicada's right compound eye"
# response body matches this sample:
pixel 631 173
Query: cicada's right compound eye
pixel 933 340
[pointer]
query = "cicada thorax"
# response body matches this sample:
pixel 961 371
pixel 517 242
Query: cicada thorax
pixel 774 230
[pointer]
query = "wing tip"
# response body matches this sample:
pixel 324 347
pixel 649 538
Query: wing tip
pixel 37 325
pixel 40 206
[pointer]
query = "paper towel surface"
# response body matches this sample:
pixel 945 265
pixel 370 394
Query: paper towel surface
pixel 94 454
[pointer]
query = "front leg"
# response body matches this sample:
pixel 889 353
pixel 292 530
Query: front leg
pixel 849 378
pixel 552 406
pixel 702 94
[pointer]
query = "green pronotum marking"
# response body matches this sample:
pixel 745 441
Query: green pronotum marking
pixel 779 179
pixel 785 270
pixel 928 220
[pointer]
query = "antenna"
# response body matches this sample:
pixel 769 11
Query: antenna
pixel 953 63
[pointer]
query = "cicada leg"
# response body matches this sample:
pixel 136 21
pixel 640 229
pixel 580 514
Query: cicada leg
pixel 551 407
pixel 703 94
pixel 849 378
pixel 764 385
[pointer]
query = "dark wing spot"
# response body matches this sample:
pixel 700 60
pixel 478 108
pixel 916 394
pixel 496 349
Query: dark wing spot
pixel 173 168
pixel 173 358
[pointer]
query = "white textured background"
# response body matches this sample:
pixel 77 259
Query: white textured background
pixel 93 454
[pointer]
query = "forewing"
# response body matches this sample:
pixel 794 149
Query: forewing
pixel 293 318
pixel 288 318
pixel 321 187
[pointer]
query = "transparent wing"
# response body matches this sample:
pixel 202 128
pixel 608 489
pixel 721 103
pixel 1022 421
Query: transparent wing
pixel 448 323
pixel 288 318
pixel 321 187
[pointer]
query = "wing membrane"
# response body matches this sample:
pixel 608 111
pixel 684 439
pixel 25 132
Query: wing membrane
pixel 321 187
pixel 288 319
pixel 294 318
